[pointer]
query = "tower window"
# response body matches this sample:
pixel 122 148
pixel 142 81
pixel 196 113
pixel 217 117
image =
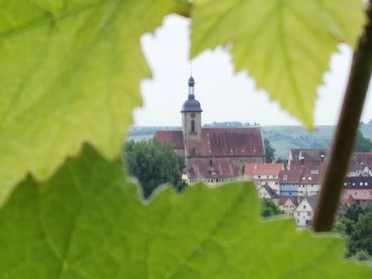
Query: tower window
pixel 193 126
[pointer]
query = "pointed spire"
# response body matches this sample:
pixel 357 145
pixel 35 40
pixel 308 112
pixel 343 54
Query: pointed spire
pixel 191 104
pixel 191 86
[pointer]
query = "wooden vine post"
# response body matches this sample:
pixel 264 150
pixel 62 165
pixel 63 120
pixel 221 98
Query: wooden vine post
pixel 342 148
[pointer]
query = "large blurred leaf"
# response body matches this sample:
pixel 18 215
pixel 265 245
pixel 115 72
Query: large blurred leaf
pixel 86 222
pixel 70 73
pixel 284 44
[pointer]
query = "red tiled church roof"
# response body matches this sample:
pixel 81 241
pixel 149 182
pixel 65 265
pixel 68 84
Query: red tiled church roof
pixel 212 168
pixel 218 142
pixel 174 138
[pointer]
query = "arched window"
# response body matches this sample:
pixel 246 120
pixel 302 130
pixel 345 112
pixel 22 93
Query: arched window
pixel 193 127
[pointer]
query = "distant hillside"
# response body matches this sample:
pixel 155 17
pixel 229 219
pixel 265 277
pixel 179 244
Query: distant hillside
pixel 282 138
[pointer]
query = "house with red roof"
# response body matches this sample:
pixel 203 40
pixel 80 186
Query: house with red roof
pixel 212 155
pixel 301 182
pixel 263 173
pixel 289 181
pixel 306 157
pixel 357 190
pixel 360 164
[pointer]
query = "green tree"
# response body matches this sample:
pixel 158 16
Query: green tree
pixel 269 151
pixel 362 143
pixel 153 164
pixel 268 208
pixel 355 224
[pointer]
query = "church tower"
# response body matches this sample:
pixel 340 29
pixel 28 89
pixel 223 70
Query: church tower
pixel 191 115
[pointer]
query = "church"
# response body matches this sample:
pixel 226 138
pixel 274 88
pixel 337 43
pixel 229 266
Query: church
pixel 212 155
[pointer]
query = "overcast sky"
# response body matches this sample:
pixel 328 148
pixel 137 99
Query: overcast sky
pixel 223 94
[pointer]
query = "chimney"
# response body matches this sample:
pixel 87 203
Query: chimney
pixel 302 159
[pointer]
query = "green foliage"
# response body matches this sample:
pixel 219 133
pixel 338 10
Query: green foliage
pixel 87 222
pixel 284 45
pixel 355 223
pixel 269 151
pixel 362 144
pixel 153 164
pixel 70 73
pixel 268 208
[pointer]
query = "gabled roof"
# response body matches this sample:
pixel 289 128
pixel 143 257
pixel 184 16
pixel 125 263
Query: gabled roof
pixel 303 175
pixel 312 201
pixel 212 168
pixel 346 199
pixel 283 200
pixel 270 191
pixel 220 142
pixel 313 154
pixel 360 160
pixel 312 175
pixel 307 157
pixel 262 169
pixel 174 138
pixel 290 176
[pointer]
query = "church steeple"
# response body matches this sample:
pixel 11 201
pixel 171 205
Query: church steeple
pixel 191 86
pixel 191 115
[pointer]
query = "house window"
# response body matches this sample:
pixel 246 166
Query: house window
pixel 304 206
pixel 193 126
pixel 309 214
pixel 285 177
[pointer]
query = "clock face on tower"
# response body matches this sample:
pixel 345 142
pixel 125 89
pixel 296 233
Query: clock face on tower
pixel 192 115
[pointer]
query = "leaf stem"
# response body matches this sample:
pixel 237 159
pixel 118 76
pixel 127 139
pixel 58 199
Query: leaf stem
pixel 346 131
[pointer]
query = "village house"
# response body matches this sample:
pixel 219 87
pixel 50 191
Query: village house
pixel 288 204
pixel 357 190
pixel 360 164
pixel 304 212
pixel 263 173
pixel 289 181
pixel 306 157
pixel 266 192
pixel 212 155
pixel 311 181
pixel 302 182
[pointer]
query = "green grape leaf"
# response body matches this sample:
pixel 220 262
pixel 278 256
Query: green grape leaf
pixel 70 73
pixel 87 222
pixel 284 44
